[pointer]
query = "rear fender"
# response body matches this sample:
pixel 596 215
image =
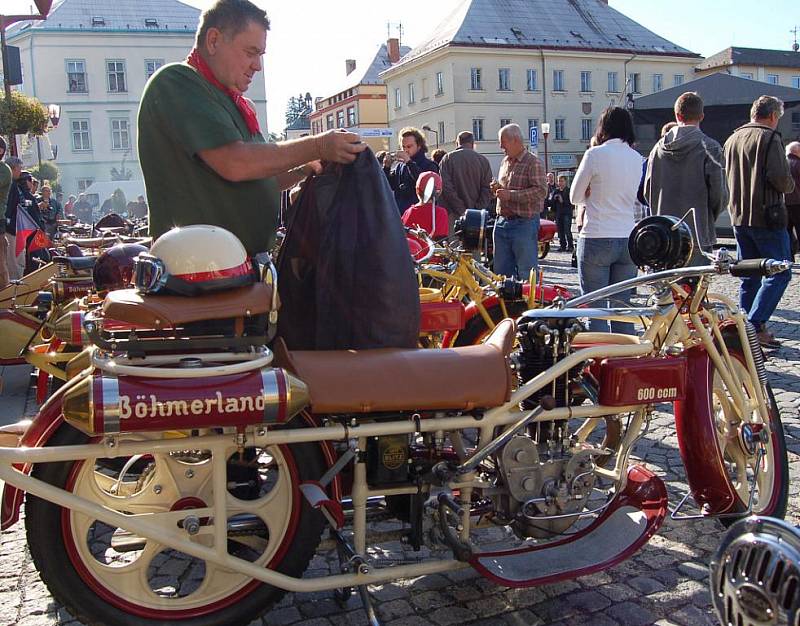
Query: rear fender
pixel 697 439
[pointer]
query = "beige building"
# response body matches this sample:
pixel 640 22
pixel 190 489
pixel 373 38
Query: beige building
pixel 93 58
pixel 484 68
pixel 777 67
pixel 359 103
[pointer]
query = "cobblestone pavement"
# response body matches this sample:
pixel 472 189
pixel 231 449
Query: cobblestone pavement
pixel 665 583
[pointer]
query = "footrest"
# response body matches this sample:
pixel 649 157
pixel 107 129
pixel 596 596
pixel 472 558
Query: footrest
pixel 624 527
pixel 319 500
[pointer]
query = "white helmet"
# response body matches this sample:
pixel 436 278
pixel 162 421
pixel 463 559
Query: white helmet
pixel 191 260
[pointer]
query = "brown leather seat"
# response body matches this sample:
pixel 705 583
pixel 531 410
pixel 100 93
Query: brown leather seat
pixel 365 381
pixel 164 311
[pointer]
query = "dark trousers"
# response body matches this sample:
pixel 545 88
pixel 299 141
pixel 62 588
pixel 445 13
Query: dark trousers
pixel 564 224
pixel 793 212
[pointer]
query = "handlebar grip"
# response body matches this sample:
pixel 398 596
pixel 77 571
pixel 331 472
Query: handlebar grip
pixel 759 267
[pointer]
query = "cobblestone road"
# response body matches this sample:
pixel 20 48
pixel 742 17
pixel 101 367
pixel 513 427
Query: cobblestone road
pixel 665 583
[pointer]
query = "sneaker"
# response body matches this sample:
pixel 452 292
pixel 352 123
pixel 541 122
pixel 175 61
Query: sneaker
pixel 767 339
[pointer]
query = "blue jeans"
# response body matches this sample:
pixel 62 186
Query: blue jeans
pixel 760 296
pixel 516 246
pixel 603 262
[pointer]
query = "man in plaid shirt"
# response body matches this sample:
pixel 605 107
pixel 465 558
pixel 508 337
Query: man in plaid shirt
pixel 520 191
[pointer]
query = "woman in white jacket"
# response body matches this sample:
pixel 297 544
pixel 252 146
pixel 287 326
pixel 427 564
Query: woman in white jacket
pixel 606 182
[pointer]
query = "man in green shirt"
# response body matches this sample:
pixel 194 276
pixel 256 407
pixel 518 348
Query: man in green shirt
pixel 202 154
pixel 6 181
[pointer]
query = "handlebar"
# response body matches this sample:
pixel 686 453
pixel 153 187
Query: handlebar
pixel 759 267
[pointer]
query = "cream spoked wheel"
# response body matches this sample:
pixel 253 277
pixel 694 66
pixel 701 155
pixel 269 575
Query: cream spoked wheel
pixel 144 579
pixel 753 460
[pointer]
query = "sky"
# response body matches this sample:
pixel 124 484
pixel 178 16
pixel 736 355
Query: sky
pixel 310 40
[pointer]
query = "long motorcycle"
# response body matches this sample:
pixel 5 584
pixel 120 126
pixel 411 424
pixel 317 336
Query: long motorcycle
pixel 190 472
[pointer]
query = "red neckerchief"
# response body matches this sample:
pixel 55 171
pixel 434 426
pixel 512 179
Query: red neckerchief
pixel 243 104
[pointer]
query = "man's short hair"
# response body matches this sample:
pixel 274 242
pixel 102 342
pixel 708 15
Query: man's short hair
pixel 689 106
pixel 416 133
pixel 465 138
pixel 512 131
pixel 230 17
pixel 765 106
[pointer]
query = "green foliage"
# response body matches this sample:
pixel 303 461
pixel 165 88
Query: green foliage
pixel 48 171
pixel 118 201
pixel 22 115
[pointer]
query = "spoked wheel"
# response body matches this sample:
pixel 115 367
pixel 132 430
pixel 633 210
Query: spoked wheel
pixel 107 575
pixel 544 249
pixel 752 461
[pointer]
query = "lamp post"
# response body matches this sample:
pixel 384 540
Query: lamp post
pixel 54 113
pixel 435 132
pixel 545 133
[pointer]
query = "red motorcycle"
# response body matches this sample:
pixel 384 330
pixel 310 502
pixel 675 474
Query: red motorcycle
pixel 188 473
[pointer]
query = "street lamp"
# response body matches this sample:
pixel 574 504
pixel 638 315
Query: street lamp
pixel 54 113
pixel 545 133
pixel 435 132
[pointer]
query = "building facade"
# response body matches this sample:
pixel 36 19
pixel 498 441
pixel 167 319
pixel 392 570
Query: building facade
pixel 485 68
pixel 776 67
pixel 92 58
pixel 359 103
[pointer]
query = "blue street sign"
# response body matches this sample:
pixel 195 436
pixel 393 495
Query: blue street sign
pixel 534 136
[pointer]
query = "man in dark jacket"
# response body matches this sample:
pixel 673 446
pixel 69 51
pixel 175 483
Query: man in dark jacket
pixel 404 167
pixel 793 198
pixel 686 170
pixel 466 178
pixel 758 177
pixel 563 209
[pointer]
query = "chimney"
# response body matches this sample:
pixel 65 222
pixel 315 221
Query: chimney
pixel 393 47
pixel 350 66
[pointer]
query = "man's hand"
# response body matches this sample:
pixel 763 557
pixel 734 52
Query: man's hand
pixel 402 155
pixel 339 146
pixel 315 167
pixel 503 194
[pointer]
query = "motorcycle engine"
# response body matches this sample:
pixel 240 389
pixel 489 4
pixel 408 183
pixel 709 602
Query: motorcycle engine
pixel 546 472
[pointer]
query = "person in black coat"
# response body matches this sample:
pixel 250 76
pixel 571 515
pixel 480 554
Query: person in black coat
pixel 563 209
pixel 402 168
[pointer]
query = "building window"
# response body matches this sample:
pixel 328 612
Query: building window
pixel 76 77
pixel 424 88
pixel 84 184
pixel 351 117
pixel 81 139
pixel 613 84
pixel 411 98
pixel 531 84
pixel 439 83
pixel 504 79
pixel 677 80
pixel 475 79
pixel 560 132
pixel 398 98
pixel 329 121
pixel 558 80
pixel 150 67
pixel 586 81
pixel 634 83
pixel 796 82
pixel 441 133
pixel 339 119
pixel 586 129
pixel 477 128
pixel 116 76
pixel 658 82
pixel 773 79
pixel 747 75
pixel 504 121
pixel 796 121
pixel 120 134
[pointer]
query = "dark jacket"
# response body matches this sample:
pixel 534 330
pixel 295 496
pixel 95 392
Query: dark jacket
pixel 686 170
pixel 466 181
pixel 793 197
pixel 346 280
pixel 745 155
pixel 11 208
pixel 403 179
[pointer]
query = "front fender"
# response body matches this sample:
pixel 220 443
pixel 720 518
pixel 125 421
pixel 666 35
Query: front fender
pixel 697 439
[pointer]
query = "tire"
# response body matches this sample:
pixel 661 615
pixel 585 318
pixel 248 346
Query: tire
pixel 772 487
pixel 476 330
pixel 544 249
pixel 74 568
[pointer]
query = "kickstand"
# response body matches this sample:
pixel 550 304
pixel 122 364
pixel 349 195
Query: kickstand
pixel 350 561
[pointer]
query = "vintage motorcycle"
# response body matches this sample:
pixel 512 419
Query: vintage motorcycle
pixel 188 473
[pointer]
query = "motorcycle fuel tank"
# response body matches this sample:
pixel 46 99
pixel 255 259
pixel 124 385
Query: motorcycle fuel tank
pixel 642 380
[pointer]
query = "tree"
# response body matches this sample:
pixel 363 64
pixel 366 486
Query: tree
pixel 298 107
pixel 22 115
pixel 47 171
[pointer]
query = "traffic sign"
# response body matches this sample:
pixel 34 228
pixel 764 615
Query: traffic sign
pixel 534 130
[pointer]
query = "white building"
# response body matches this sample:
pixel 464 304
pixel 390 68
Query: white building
pixel 93 58
pixel 493 62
